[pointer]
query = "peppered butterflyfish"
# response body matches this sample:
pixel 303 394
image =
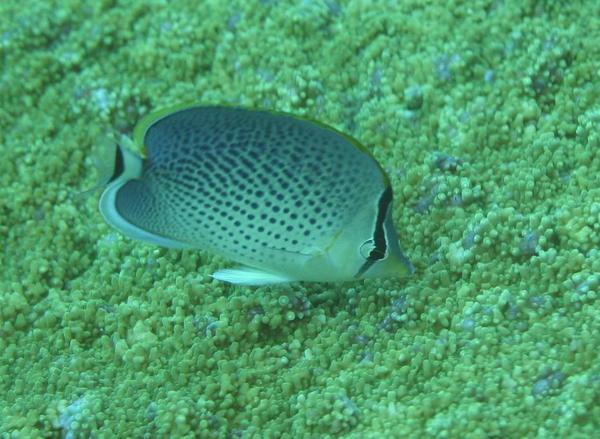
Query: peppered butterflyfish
pixel 288 198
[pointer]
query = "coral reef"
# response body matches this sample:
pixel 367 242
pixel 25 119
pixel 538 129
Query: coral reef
pixel 485 114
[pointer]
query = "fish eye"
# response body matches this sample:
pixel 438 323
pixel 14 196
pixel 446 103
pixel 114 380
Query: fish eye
pixel 366 248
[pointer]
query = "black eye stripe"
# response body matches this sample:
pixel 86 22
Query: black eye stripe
pixel 379 241
pixel 376 254
pixel 379 234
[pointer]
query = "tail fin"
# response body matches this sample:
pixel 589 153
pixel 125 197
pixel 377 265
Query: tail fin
pixel 104 158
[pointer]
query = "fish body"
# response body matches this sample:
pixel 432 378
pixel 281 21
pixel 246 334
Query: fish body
pixel 288 198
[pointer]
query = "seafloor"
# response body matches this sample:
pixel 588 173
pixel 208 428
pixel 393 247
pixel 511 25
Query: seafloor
pixel 486 115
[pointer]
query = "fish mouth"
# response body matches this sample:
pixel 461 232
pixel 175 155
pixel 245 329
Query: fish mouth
pixel 408 265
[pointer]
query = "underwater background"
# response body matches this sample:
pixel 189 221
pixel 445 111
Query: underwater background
pixel 486 116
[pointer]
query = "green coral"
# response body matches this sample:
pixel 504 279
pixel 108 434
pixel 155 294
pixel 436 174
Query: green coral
pixel 485 116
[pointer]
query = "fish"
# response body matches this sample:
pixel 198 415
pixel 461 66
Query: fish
pixel 289 198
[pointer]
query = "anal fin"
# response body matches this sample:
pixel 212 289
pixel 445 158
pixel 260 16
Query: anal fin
pixel 249 276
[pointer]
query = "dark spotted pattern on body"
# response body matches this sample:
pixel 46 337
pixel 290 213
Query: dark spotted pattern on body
pixel 244 182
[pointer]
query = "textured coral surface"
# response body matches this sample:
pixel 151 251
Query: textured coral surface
pixel 485 114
